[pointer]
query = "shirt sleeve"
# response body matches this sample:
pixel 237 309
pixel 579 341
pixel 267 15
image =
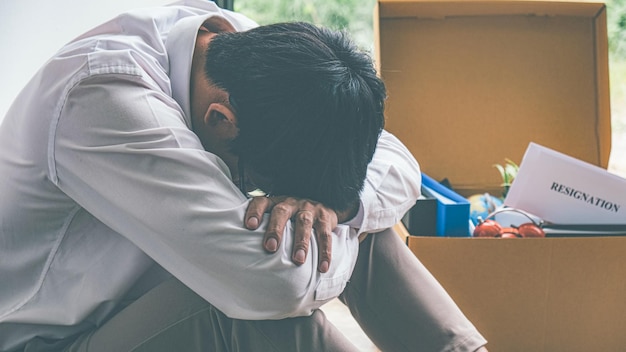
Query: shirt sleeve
pixel 391 188
pixel 121 150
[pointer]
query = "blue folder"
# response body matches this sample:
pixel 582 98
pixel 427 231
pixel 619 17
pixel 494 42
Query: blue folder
pixel 453 210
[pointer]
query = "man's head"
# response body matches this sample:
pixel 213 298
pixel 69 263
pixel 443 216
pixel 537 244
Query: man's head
pixel 308 105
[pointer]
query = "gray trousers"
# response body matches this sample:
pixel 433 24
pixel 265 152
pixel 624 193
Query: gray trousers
pixel 396 301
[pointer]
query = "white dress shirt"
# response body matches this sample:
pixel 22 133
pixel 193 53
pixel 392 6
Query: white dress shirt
pixel 105 190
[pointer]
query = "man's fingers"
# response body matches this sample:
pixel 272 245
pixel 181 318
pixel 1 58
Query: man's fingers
pixel 323 232
pixel 281 213
pixel 304 226
pixel 254 212
pixel 306 215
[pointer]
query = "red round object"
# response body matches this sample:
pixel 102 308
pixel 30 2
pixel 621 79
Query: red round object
pixel 530 230
pixel 487 228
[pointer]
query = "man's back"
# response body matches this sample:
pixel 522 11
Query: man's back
pixel 68 270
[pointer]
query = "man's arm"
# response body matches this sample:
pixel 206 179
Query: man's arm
pixel 392 186
pixel 310 218
pixel 122 152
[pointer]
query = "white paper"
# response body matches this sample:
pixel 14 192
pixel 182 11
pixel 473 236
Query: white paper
pixel 564 190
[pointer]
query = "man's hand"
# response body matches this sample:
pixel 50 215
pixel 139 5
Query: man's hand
pixel 307 214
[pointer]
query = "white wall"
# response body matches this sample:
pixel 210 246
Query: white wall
pixel 32 30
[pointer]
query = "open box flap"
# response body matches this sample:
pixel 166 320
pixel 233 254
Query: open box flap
pixel 448 8
pixel 478 81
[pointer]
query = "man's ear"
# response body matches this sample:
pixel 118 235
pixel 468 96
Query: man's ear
pixel 217 25
pixel 221 118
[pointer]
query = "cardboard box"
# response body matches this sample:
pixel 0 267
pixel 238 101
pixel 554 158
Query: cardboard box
pixel 546 294
pixel 471 83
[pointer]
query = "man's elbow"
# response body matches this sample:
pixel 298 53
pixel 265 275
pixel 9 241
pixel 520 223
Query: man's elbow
pixel 277 297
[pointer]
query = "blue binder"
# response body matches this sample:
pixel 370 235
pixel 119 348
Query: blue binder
pixel 453 210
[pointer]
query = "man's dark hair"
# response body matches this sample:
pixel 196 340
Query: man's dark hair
pixel 309 107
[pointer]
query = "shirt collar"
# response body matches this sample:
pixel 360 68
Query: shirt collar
pixel 180 44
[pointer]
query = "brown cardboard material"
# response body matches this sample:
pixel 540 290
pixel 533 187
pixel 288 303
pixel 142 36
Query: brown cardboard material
pixel 471 83
pixel 553 294
pixel 540 294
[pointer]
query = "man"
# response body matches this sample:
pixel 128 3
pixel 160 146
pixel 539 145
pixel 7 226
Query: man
pixel 120 218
